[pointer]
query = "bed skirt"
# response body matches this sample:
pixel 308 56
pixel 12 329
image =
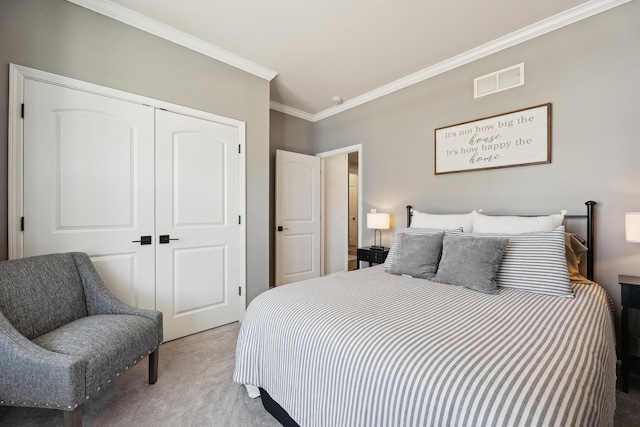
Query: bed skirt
pixel 276 410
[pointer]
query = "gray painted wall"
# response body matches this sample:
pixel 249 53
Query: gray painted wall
pixel 588 71
pixel 62 38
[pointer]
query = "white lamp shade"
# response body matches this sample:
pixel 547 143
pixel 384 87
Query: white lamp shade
pixel 378 221
pixel 632 226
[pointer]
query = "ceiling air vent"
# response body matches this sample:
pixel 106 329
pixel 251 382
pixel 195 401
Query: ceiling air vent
pixel 498 81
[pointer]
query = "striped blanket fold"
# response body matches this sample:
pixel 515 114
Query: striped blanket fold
pixel 367 348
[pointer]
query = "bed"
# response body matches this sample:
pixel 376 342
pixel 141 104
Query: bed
pixel 375 348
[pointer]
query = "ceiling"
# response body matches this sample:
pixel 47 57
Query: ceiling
pixel 355 49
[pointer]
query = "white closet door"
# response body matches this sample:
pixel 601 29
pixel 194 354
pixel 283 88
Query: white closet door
pixel 197 212
pixel 89 183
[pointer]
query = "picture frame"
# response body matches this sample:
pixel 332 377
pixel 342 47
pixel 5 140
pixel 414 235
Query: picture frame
pixel 517 138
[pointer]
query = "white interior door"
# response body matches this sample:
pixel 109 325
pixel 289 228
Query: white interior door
pixel 335 172
pixel 197 212
pixel 297 217
pixel 89 183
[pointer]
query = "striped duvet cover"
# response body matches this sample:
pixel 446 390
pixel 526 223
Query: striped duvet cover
pixel 367 348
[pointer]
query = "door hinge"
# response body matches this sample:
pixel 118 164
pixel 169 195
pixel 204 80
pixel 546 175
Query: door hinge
pixel 22 111
pixel 239 220
pixel 22 223
pixel 239 291
pixel 239 149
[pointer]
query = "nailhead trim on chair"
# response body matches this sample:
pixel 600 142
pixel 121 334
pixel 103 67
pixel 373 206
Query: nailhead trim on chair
pixel 126 368
pixel 37 405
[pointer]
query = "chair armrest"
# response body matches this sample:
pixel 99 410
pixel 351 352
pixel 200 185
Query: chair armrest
pixel 101 301
pixel 32 376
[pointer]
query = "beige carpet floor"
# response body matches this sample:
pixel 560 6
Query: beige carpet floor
pixel 195 388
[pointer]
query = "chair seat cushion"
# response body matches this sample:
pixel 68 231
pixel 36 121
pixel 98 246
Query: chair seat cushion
pixel 109 343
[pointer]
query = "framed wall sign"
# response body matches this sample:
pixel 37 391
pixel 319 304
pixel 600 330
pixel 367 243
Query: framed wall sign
pixel 518 138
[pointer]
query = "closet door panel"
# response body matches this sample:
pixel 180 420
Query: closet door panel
pixel 197 210
pixel 94 153
pixel 199 163
pixel 89 184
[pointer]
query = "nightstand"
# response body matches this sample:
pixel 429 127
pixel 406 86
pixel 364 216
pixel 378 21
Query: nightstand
pixel 371 255
pixel 630 292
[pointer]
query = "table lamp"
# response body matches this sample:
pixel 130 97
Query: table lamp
pixel 377 221
pixel 632 226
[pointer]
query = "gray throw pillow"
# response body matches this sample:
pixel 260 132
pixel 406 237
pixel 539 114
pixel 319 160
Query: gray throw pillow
pixel 409 230
pixel 471 262
pixel 417 255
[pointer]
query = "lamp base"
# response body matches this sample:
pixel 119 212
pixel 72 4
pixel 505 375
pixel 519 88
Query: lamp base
pixel 376 248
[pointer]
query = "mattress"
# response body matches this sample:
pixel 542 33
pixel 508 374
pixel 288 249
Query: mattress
pixel 368 348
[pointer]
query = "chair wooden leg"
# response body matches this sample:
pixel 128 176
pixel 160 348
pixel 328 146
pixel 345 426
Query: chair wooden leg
pixel 153 366
pixel 73 418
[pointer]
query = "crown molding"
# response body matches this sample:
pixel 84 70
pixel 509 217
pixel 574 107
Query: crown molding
pixel 144 23
pixel 134 19
pixel 292 111
pixel 540 28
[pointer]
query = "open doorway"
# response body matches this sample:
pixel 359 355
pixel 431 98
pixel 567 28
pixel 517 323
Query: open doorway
pixel 353 210
pixel 341 208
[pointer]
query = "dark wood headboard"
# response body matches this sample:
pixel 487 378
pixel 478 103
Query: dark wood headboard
pixel 589 216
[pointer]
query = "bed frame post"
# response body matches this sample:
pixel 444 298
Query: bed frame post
pixel 590 240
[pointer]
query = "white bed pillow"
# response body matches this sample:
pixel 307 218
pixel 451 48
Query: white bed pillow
pixel 406 230
pixel 516 224
pixel 442 221
pixel 534 262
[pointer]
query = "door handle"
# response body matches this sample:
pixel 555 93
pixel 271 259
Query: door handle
pixel 144 240
pixel 165 238
pixel 280 228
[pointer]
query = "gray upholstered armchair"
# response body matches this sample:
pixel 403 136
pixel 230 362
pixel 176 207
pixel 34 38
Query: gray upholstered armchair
pixel 64 336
